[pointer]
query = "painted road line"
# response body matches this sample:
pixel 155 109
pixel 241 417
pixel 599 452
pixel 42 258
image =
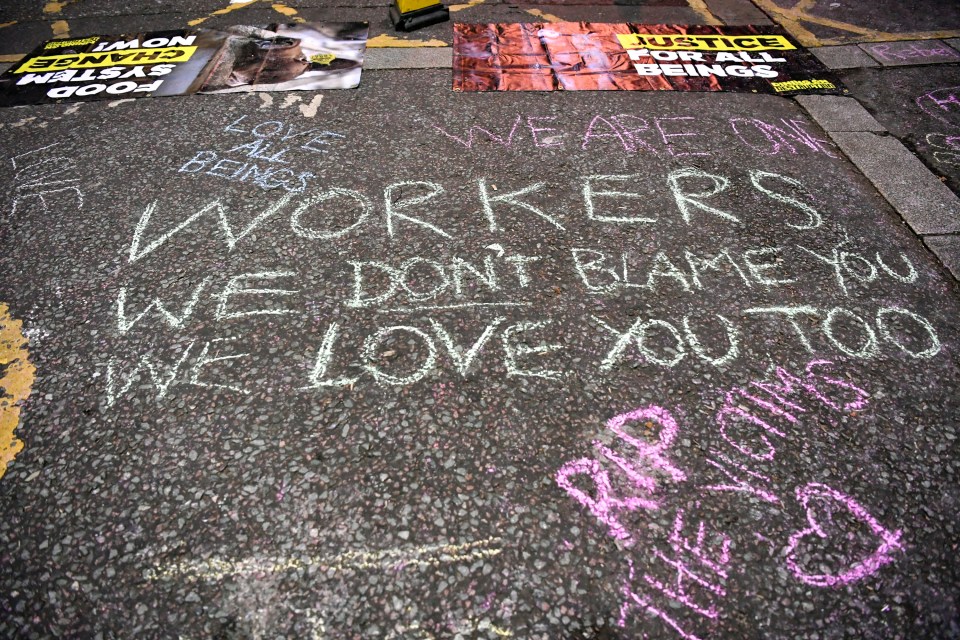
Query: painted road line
pixel 387 41
pixel 219 12
pixel 290 12
pixel 454 8
pixel 702 10
pixel 60 28
pixel 395 559
pixel 16 383
pixel 792 18
pixel 546 17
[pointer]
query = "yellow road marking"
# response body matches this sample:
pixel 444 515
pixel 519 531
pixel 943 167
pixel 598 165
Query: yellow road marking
pixel 385 40
pixel 290 12
pixel 842 26
pixel 12 57
pixel 704 11
pixel 15 384
pixel 791 19
pixel 548 17
pixel 220 12
pixel 467 5
pixel 60 29
pixel 279 7
pixel 7 24
pixel 55 7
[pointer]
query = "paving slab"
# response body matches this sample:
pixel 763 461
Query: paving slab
pixel 399 362
pixel 921 107
pixel 914 52
pixel 848 56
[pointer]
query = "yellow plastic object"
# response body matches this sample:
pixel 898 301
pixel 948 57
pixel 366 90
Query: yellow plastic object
pixel 406 6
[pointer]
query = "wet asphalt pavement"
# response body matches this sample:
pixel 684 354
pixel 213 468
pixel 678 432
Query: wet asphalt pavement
pixel 307 440
pixel 404 363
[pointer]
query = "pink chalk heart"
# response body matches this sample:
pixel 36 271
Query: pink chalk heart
pixel 829 501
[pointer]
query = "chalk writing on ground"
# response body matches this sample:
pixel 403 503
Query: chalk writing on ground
pixel 519 291
pixel 410 297
pixel 398 559
pixel 266 154
pixel 389 561
pixel 697 555
pixel 942 104
pixel 45 179
pixel 946 148
pixel 668 136
pixel 913 52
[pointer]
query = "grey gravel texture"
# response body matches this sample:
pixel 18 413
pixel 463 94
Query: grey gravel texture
pixel 251 463
pixel 33 26
pixel 737 12
pixel 408 58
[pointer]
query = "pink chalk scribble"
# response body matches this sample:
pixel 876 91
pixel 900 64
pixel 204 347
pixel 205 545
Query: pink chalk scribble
pixel 698 553
pixel 631 598
pixel 691 562
pixel 604 505
pixel 740 484
pixel 890 540
pixel 691 568
pixel 653 453
pixel 942 104
pixel 784 404
pixel 731 409
pixel 853 405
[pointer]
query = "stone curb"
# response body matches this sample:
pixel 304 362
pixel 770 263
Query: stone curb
pixel 927 205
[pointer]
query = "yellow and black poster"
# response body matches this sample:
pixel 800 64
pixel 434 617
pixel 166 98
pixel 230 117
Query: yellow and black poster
pixel 275 57
pixel 634 57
